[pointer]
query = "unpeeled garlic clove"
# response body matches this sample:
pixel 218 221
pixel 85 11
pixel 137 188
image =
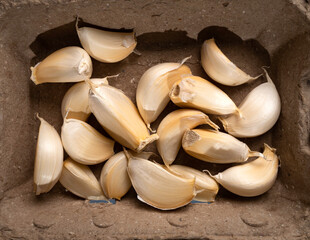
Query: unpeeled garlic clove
pixel 158 187
pixel 69 64
pixel 80 180
pixel 153 89
pixel 119 117
pixel 260 111
pixel 85 144
pixel 216 147
pixel 205 185
pixel 75 102
pixel 253 178
pixel 172 128
pixel 114 178
pixel 196 92
pixel 220 68
pixel 107 46
pixel 49 158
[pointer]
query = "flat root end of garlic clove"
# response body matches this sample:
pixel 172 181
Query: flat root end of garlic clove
pixel 33 76
pixel 147 141
pixel 189 138
pixel 83 67
pixel 128 41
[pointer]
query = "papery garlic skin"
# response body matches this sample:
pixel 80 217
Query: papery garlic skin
pixel 260 111
pixel 80 180
pixel 172 128
pixel 253 178
pixel 85 144
pixel 75 102
pixel 216 147
pixel 153 89
pixel 69 64
pixel 196 92
pixel 106 46
pixel 114 178
pixel 119 117
pixel 220 68
pixel 158 187
pixel 206 187
pixel 49 158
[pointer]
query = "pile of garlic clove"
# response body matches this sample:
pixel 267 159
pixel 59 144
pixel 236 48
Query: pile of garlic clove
pixel 163 186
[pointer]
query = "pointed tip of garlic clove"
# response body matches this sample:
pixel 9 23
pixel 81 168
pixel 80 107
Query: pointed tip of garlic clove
pixel 147 141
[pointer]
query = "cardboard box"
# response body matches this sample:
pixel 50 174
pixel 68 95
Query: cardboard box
pixel 251 33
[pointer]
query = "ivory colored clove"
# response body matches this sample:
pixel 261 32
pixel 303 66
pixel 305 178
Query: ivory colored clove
pixel 75 102
pixel 260 111
pixel 196 92
pixel 69 64
pixel 158 187
pixel 206 187
pixel 153 89
pixel 216 147
pixel 80 180
pixel 253 178
pixel 85 144
pixel 119 117
pixel 114 178
pixel 106 46
pixel 49 158
pixel 172 128
pixel 220 68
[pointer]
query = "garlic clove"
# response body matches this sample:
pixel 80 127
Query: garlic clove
pixel 172 128
pixel 153 89
pixel 216 147
pixel 158 187
pixel 206 186
pixel 220 68
pixel 85 144
pixel 196 92
pixel 119 117
pixel 253 178
pixel 114 178
pixel 80 180
pixel 260 111
pixel 107 46
pixel 75 102
pixel 49 158
pixel 69 64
